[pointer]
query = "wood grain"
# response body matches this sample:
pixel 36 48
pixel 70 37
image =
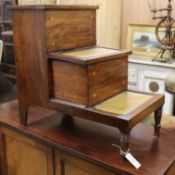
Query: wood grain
pixel 25 156
pixel 70 29
pixel 83 142
pixel 30 58
pixel 106 79
pixel 69 82
pixel 71 165
pixel 31 50
pixel 93 80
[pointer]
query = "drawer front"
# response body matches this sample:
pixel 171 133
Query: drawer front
pixel 70 29
pixel 106 79
pixel 68 82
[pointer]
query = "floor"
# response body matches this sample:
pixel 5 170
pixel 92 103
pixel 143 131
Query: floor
pixel 7 89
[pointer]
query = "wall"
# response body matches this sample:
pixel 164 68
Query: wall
pixel 108 20
pixel 138 12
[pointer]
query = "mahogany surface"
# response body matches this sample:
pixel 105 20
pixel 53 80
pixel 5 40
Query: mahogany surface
pixel 60 67
pixel 87 80
pixel 40 81
pixel 92 141
pixel 35 38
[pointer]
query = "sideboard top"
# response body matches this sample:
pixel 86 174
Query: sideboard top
pixel 86 139
pixel 55 7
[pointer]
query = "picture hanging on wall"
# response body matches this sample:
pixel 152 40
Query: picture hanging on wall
pixel 141 39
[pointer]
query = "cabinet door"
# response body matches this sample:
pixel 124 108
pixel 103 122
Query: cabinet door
pixel 66 164
pixel 23 156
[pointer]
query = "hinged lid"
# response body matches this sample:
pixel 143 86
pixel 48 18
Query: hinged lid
pixel 89 55
pixel 54 7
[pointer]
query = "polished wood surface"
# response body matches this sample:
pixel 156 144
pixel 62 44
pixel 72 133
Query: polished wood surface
pixel 80 143
pixel 69 82
pixel 25 156
pixel 30 58
pixel 42 76
pixel 74 29
pixel 55 7
pixel 125 122
pixel 69 165
pixel 101 74
pixel 107 79
pixel 31 51
pixel 90 55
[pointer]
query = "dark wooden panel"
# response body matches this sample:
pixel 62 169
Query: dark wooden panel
pixel 69 82
pixel 25 156
pixel 70 29
pixel 106 79
pixel 30 55
pixel 71 165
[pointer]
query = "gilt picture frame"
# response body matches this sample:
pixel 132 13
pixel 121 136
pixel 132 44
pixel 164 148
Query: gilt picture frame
pixel 141 40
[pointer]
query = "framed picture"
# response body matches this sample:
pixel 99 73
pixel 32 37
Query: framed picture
pixel 141 39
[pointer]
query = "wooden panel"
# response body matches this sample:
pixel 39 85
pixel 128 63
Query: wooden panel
pixel 70 29
pixel 69 82
pixel 30 55
pixel 85 139
pixel 74 166
pixel 106 79
pixel 108 20
pixel 24 156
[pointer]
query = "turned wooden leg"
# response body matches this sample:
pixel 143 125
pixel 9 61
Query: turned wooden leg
pixel 124 144
pixel 157 118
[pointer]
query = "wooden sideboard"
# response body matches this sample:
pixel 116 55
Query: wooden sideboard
pixel 49 145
